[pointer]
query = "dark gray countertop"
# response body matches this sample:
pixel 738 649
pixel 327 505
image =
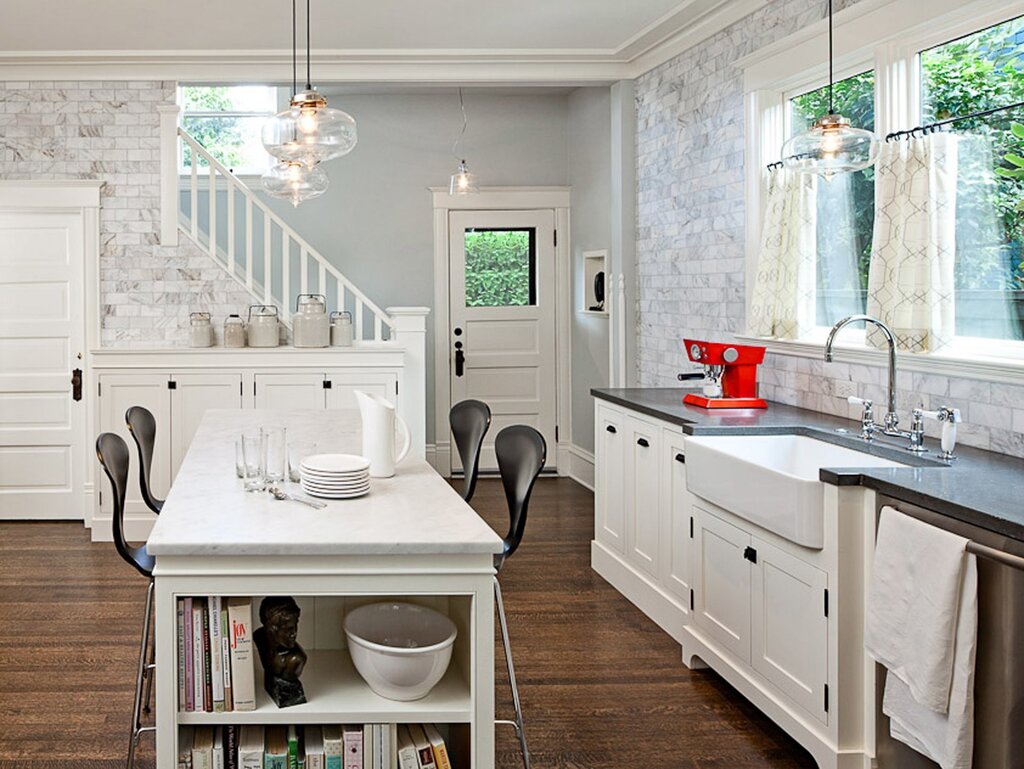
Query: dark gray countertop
pixel 981 488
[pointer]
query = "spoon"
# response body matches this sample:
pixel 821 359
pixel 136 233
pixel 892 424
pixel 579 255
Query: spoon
pixel 279 493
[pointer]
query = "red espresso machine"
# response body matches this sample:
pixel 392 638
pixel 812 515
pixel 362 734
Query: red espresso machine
pixel 730 375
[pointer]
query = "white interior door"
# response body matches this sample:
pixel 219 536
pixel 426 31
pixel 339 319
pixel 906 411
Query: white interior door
pixel 42 336
pixel 502 320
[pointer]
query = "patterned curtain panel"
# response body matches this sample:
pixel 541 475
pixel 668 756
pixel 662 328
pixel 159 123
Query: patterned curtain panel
pixel 783 301
pixel 911 278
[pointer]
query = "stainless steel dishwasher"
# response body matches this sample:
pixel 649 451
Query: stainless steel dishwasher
pixel 999 662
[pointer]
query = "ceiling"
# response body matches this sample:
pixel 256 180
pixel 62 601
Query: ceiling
pixel 353 32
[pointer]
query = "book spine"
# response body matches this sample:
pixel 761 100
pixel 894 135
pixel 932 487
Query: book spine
pixel 179 620
pixel 368 746
pixel 231 746
pixel 207 673
pixel 353 749
pixel 225 655
pixel 190 704
pixel 197 656
pixel 216 653
pixel 243 683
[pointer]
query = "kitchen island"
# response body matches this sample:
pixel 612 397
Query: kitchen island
pixel 412 537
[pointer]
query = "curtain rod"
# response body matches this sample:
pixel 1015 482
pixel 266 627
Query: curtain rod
pixel 931 127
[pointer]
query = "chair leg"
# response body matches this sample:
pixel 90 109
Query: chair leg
pixel 137 729
pixel 150 673
pixel 518 723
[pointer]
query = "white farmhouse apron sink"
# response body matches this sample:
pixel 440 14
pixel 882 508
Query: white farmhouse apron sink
pixel 770 480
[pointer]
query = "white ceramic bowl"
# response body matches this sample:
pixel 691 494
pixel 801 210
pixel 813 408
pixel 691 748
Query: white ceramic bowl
pixel 401 650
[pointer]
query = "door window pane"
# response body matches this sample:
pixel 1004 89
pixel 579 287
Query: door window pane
pixel 979 72
pixel 845 203
pixel 501 267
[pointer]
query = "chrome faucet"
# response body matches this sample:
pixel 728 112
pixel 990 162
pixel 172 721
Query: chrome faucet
pixel 891 421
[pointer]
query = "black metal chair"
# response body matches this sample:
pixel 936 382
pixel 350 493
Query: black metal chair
pixel 142 426
pixel 470 420
pixel 112 452
pixel 521 453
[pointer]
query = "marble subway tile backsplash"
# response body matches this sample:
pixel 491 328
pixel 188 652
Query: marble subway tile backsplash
pixel 691 242
pixel 109 130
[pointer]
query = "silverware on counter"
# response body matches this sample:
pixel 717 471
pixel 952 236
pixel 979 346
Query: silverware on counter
pixel 279 493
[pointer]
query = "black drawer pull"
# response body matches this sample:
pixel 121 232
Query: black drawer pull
pixel 750 554
pixel 642 442
pixel 611 429
pixel 681 459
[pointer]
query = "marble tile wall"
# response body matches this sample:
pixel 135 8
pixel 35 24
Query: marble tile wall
pixel 110 131
pixel 691 240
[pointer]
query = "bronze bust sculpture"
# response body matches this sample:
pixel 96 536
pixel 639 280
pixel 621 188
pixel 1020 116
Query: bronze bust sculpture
pixel 282 657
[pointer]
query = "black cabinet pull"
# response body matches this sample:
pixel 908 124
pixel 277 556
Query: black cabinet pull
pixel 611 429
pixel 750 554
pixel 642 442
pixel 681 459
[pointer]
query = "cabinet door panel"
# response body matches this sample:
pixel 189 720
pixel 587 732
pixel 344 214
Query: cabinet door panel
pixel 290 391
pixel 343 385
pixel 722 583
pixel 609 478
pixel 118 393
pixel 789 630
pixel 677 512
pixel 642 491
pixel 192 396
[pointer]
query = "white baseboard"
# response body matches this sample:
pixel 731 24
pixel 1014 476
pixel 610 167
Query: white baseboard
pixel 579 466
pixel 137 527
pixel 665 611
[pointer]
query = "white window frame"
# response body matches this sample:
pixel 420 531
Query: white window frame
pixel 780 71
pixel 246 173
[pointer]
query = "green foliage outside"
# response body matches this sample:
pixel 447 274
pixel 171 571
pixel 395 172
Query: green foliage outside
pixel 222 137
pixel 497 268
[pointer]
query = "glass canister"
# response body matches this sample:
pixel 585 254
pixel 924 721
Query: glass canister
pixel 264 330
pixel 310 325
pixel 341 329
pixel 234 331
pixel 200 329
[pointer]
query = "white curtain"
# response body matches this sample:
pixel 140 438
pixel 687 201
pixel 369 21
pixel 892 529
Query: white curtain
pixel 911 278
pixel 783 300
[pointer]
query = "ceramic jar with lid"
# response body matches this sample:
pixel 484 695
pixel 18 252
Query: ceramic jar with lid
pixel 264 329
pixel 234 331
pixel 341 329
pixel 310 325
pixel 200 329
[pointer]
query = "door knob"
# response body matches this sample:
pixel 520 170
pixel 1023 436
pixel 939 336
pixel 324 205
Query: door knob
pixel 76 384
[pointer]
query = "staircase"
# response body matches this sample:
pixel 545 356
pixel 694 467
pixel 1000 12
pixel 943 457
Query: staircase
pixel 265 256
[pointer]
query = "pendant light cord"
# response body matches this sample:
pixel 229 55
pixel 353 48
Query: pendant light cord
pixel 309 80
pixel 295 51
pixel 457 144
pixel 831 79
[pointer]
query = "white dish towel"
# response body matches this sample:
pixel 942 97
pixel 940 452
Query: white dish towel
pixel 922 623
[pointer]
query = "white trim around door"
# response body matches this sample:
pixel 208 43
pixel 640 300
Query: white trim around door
pixel 502 199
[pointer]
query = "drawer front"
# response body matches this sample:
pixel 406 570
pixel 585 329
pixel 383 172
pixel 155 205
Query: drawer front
pixel 609 478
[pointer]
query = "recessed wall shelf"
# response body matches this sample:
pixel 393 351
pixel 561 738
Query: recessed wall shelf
pixel 595 283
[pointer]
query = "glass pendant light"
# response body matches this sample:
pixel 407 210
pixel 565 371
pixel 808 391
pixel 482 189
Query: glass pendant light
pixel 308 131
pixel 295 181
pixel 463 182
pixel 832 145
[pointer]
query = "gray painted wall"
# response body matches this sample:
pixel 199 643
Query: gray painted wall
pixel 590 175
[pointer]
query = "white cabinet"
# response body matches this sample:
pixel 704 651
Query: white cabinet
pixel 722 582
pixel 642 489
pixel 192 395
pixel 342 385
pixel 289 391
pixel 677 518
pixel 609 478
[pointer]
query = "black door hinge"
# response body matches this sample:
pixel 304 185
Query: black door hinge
pixel 555 233
pixel 396 387
pixel 826 698
pixel 691 599
pixel 172 385
pixel 241 390
pixel 99 389
pixel 691 527
pixel 254 389
pixel 750 554
pixel 101 499
pixel 556 433
pixel 328 384
pixel 826 601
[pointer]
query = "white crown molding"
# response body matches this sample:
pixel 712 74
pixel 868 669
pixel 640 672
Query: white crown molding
pixel 689 23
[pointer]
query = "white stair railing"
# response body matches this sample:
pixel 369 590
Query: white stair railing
pixel 260 251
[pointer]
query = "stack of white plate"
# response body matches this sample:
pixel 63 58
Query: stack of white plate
pixel 335 476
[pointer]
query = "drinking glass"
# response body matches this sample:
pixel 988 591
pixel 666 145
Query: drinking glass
pixel 297 452
pixel 252 460
pixel 239 458
pixel 275 457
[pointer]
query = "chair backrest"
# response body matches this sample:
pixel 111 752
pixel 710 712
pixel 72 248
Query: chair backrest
pixel 470 421
pixel 112 452
pixel 521 453
pixel 142 426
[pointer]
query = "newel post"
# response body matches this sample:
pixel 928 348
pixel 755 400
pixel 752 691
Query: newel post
pixel 168 174
pixel 410 331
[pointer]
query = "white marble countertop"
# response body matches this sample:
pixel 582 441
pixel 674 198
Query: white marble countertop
pixel 207 512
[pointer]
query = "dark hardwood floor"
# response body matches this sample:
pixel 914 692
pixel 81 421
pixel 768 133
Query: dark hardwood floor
pixel 602 687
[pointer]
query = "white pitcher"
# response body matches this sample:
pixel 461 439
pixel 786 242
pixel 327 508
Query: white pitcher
pixel 379 419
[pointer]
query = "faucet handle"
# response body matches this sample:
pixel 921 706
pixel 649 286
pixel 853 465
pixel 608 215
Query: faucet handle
pixel 949 418
pixel 867 417
pixel 865 402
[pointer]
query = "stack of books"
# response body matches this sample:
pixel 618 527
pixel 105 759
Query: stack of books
pixel 215 655
pixel 370 746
